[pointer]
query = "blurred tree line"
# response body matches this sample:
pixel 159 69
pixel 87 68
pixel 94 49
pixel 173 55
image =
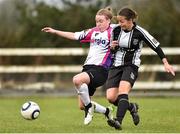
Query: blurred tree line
pixel 22 20
pixel 21 25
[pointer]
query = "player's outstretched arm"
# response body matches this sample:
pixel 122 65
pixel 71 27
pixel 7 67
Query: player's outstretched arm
pixel 68 35
pixel 168 67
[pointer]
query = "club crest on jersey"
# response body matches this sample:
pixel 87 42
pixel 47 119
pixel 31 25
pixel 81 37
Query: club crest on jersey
pixel 135 41
pixel 132 75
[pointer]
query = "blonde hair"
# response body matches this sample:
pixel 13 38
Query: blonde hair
pixel 107 12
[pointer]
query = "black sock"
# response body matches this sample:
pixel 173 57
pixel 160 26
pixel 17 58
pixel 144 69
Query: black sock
pixel 107 111
pixel 130 107
pixel 116 102
pixel 88 106
pixel 122 107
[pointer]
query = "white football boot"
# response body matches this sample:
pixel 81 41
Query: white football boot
pixel 89 115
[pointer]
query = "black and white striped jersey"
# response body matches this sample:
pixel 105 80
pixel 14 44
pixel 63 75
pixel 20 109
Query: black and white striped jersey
pixel 131 43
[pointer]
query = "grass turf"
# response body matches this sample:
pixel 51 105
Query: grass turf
pixel 61 115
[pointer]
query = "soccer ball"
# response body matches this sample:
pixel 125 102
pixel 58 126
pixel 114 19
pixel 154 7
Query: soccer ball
pixel 30 110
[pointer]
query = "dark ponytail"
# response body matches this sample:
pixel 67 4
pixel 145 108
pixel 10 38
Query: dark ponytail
pixel 128 13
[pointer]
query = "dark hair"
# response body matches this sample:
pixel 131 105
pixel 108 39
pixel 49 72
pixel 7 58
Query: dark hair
pixel 128 13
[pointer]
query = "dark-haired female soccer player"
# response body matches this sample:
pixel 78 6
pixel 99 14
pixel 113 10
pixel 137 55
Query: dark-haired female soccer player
pixel 128 42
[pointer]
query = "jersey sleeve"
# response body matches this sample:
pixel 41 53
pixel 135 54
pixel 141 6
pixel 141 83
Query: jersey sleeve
pixel 83 36
pixel 160 52
pixel 149 39
pixel 152 42
pixel 115 33
pixel 114 25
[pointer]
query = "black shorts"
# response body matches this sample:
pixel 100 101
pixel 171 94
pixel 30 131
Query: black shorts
pixel 98 76
pixel 116 74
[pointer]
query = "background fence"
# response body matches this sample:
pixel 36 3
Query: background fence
pixel 153 87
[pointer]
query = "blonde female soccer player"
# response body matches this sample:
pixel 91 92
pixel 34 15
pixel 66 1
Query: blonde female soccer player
pixel 98 61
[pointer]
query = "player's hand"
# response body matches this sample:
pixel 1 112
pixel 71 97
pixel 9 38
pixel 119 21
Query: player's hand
pixel 48 30
pixel 168 67
pixel 114 47
pixel 114 44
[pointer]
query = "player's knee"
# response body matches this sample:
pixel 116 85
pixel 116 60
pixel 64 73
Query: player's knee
pixel 111 98
pixel 76 81
pixel 113 101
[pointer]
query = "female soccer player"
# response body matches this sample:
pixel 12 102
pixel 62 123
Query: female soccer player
pixel 128 39
pixel 98 61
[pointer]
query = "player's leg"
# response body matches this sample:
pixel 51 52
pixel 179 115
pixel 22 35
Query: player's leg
pixel 123 103
pixel 107 111
pixel 112 85
pixel 111 95
pixel 81 82
pixel 98 108
pixel 98 76
pixel 128 78
pixel 80 103
pixel 133 109
pixel 88 112
pixel 130 75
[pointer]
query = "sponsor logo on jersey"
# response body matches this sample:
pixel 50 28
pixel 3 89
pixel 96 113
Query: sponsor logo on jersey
pixel 100 41
pixel 154 41
pixel 96 34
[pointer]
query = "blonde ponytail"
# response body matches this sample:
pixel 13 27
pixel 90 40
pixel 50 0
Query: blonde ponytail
pixel 107 12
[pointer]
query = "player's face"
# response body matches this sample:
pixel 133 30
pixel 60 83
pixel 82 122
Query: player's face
pixel 124 23
pixel 102 22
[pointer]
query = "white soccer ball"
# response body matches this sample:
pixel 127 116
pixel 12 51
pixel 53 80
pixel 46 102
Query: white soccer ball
pixel 30 110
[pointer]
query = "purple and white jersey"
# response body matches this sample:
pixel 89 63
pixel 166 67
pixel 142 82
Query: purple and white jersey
pixel 99 51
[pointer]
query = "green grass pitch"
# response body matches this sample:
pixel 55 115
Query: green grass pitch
pixel 61 115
